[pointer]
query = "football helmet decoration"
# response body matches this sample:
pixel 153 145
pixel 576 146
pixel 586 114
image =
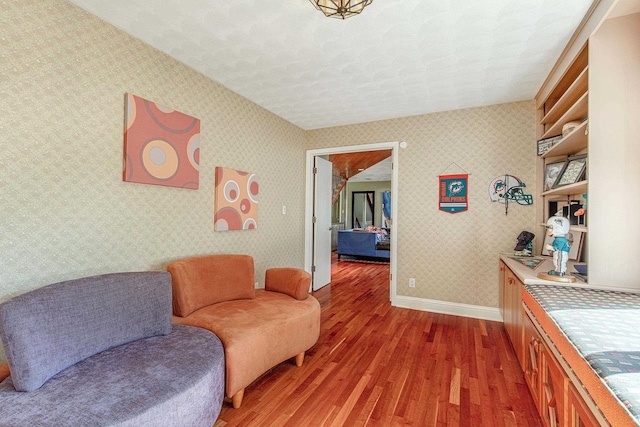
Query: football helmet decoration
pixel 508 188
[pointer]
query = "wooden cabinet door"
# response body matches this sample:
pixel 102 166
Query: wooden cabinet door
pixel 554 389
pixel 531 360
pixel 559 403
pixel 510 288
pixel 514 312
pixel 502 291
pixel 578 411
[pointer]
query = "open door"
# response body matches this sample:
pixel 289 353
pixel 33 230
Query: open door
pixel 321 269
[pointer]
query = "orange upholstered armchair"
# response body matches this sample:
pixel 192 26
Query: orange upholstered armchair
pixel 259 328
pixel 4 371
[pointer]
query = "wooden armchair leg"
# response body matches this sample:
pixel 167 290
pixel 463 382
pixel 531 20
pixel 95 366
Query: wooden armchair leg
pixel 299 359
pixel 236 399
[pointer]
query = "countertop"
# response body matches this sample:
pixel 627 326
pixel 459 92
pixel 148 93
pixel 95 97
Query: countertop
pixel 529 276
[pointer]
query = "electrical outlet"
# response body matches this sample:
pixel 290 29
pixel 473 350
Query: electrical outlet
pixel 412 282
pixel 284 210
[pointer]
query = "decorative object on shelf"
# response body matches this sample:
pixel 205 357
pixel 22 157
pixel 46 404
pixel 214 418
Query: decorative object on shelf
pixel 558 228
pixel 580 276
pixel 161 145
pixel 545 145
pixel 554 207
pixel 581 214
pixel 236 200
pixel 508 188
pixel 568 127
pixel 572 171
pixel 531 263
pixel 525 244
pixel 552 170
pixel 453 196
pixel 581 268
pixel 341 9
pixel 569 210
pixel 576 237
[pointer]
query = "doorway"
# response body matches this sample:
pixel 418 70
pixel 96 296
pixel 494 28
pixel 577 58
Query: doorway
pixel 310 197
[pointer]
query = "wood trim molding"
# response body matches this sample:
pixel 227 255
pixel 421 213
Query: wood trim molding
pixel 445 307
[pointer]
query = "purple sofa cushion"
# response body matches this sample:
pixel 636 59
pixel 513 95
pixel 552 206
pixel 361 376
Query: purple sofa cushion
pixel 49 329
pixel 168 380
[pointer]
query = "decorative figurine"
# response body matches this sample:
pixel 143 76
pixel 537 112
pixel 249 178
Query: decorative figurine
pixel 525 244
pixel 558 228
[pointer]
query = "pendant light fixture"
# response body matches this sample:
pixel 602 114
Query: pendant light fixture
pixel 341 9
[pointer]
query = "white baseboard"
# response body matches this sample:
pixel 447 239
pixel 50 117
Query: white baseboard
pixel 445 307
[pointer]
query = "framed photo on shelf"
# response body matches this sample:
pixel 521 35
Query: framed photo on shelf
pixel 572 171
pixel 545 145
pixel 551 173
pixel 576 246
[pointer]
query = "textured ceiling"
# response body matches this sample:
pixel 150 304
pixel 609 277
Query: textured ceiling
pixel 379 172
pixel 398 58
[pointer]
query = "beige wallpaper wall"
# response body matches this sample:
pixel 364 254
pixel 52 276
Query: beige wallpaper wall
pixel 454 258
pixel 64 210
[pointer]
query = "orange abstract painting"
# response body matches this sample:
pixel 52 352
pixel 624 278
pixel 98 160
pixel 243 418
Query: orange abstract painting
pixel 236 200
pixel 161 145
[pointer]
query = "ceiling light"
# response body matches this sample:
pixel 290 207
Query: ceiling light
pixel 341 9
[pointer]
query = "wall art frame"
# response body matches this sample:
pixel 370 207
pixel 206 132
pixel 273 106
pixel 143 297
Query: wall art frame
pixel 573 171
pixel 236 200
pixel 551 173
pixel 161 145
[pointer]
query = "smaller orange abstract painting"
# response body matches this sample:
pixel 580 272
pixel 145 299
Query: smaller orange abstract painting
pixel 236 200
pixel 161 145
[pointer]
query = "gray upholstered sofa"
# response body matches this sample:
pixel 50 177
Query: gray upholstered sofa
pixel 102 351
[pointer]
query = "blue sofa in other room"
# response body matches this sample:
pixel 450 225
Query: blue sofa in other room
pixel 362 243
pixel 101 351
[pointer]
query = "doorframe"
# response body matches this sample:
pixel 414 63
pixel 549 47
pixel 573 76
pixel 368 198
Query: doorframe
pixel 308 211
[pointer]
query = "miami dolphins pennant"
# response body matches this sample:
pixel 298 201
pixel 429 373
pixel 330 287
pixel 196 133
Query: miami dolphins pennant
pixel 453 197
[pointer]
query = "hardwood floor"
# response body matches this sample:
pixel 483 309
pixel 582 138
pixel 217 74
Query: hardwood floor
pixel 377 365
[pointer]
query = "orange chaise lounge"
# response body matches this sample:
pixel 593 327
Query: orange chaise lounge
pixel 259 328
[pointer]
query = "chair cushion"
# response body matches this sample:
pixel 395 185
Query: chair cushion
pixel 205 280
pixel 167 380
pixel 51 328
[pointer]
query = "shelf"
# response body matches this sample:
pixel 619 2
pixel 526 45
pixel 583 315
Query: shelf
pixel 568 77
pixel 574 142
pixel 577 111
pixel 573 93
pixel 577 188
